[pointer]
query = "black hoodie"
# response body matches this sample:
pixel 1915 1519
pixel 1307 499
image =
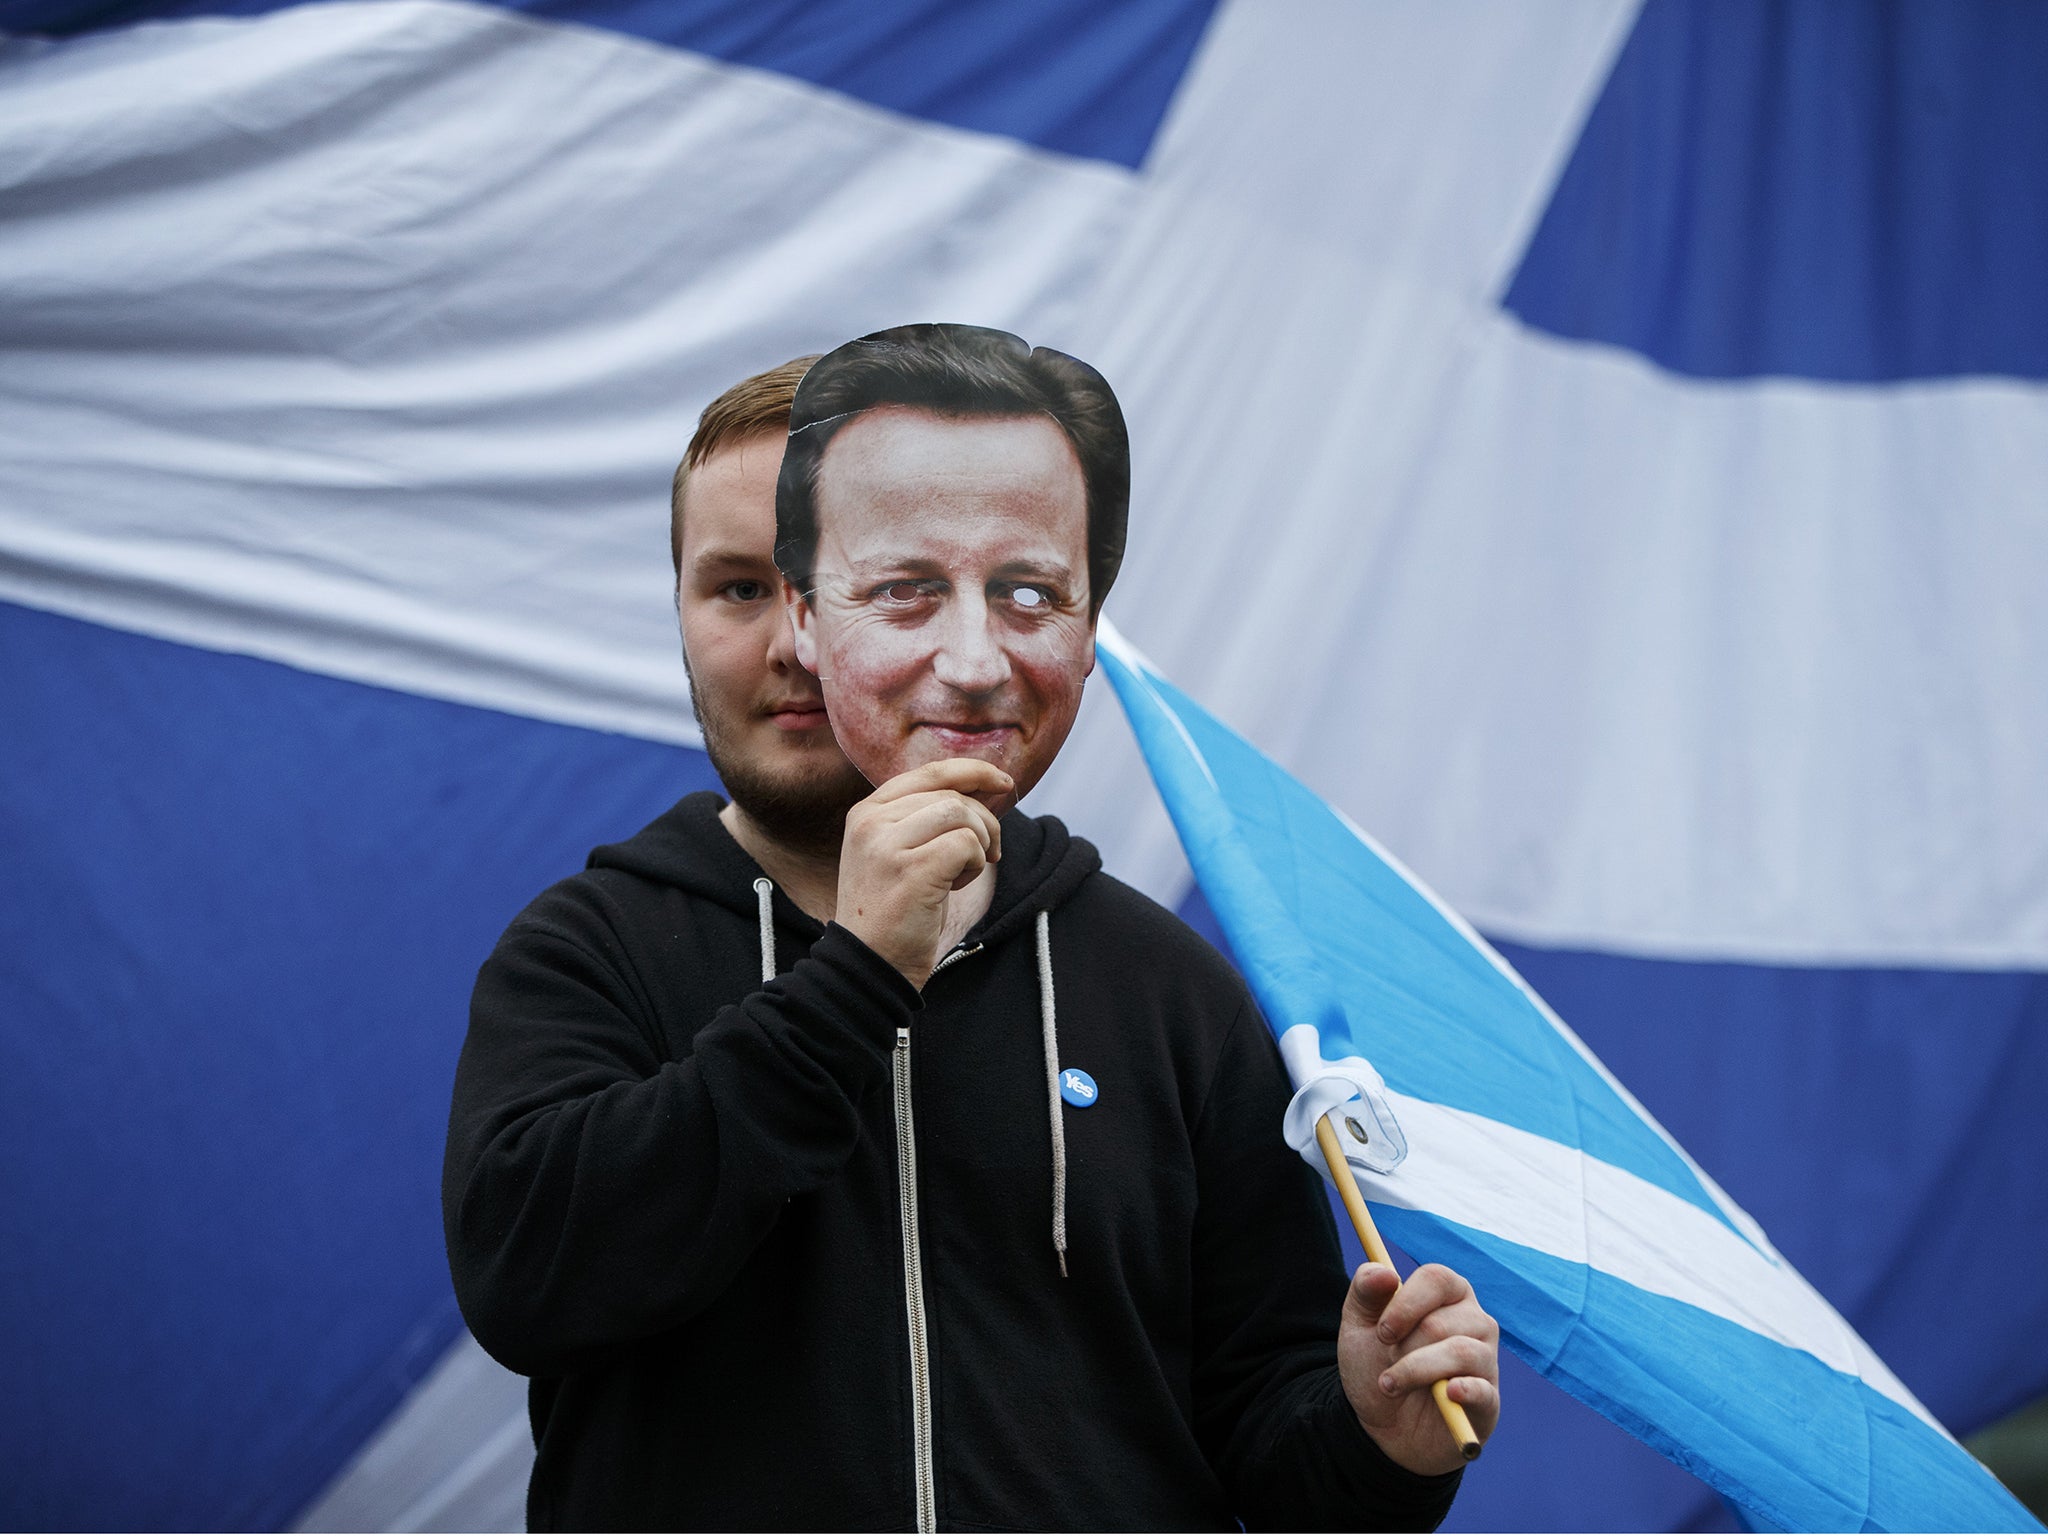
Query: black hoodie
pixel 673 1199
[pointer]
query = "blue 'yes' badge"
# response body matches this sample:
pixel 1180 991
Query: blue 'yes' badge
pixel 1077 1087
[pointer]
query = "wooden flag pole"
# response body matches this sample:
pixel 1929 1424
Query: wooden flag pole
pixel 1454 1416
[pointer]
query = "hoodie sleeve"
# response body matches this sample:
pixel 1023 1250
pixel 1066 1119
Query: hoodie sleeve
pixel 594 1193
pixel 1269 1407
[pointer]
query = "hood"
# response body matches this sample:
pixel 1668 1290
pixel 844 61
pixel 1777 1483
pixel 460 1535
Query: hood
pixel 687 846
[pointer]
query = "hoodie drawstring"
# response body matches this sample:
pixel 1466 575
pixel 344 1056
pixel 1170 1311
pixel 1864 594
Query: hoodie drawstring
pixel 1052 1089
pixel 764 895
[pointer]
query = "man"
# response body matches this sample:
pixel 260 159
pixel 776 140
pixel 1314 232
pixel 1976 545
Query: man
pixel 768 1272
pixel 762 715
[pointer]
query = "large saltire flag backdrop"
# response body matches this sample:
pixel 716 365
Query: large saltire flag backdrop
pixel 1596 446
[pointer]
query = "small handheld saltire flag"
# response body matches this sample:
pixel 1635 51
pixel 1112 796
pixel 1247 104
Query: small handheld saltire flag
pixel 1615 1266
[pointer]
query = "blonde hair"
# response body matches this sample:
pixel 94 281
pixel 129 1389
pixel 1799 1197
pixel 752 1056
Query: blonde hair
pixel 750 408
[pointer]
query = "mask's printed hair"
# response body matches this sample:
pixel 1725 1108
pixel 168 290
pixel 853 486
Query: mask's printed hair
pixel 961 371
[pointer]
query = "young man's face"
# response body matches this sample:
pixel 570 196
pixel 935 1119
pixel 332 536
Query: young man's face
pixel 950 614
pixel 763 715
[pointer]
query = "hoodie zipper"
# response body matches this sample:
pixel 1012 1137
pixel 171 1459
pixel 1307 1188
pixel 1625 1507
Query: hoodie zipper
pixel 913 1288
pixel 913 1275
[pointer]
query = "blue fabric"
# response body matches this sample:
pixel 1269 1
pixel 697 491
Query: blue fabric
pixel 1838 1107
pixel 1816 1450
pixel 1075 76
pixel 1830 189
pixel 1811 1146
pixel 244 907
pixel 1534 1476
pixel 1322 939
pixel 1833 1104
pixel 1337 943
pixel 1878 1123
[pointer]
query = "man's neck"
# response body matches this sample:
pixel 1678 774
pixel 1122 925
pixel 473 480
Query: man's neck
pixel 811 879
pixel 808 877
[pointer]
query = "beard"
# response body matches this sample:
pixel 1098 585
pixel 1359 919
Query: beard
pixel 805 812
pixel 801 805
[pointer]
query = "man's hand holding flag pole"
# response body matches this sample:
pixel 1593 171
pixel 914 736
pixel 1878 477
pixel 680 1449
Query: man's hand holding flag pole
pixel 1453 1414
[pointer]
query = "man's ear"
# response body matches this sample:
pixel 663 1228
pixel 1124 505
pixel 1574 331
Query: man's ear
pixel 803 623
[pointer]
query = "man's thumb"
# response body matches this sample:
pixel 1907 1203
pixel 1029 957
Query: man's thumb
pixel 1371 1289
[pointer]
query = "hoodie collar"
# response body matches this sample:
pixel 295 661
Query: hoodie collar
pixel 1042 865
pixel 689 847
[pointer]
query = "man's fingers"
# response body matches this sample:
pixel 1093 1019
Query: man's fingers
pixel 1430 1289
pixel 1372 1287
pixel 908 845
pixel 1480 1399
pixel 962 850
pixel 962 775
pixel 1466 1317
pixel 924 817
pixel 918 821
pixel 1447 1358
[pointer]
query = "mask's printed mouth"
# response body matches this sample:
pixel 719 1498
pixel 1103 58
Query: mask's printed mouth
pixel 970 739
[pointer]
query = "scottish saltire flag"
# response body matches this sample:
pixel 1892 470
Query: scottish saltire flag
pixel 1615 1265
pixel 1597 445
